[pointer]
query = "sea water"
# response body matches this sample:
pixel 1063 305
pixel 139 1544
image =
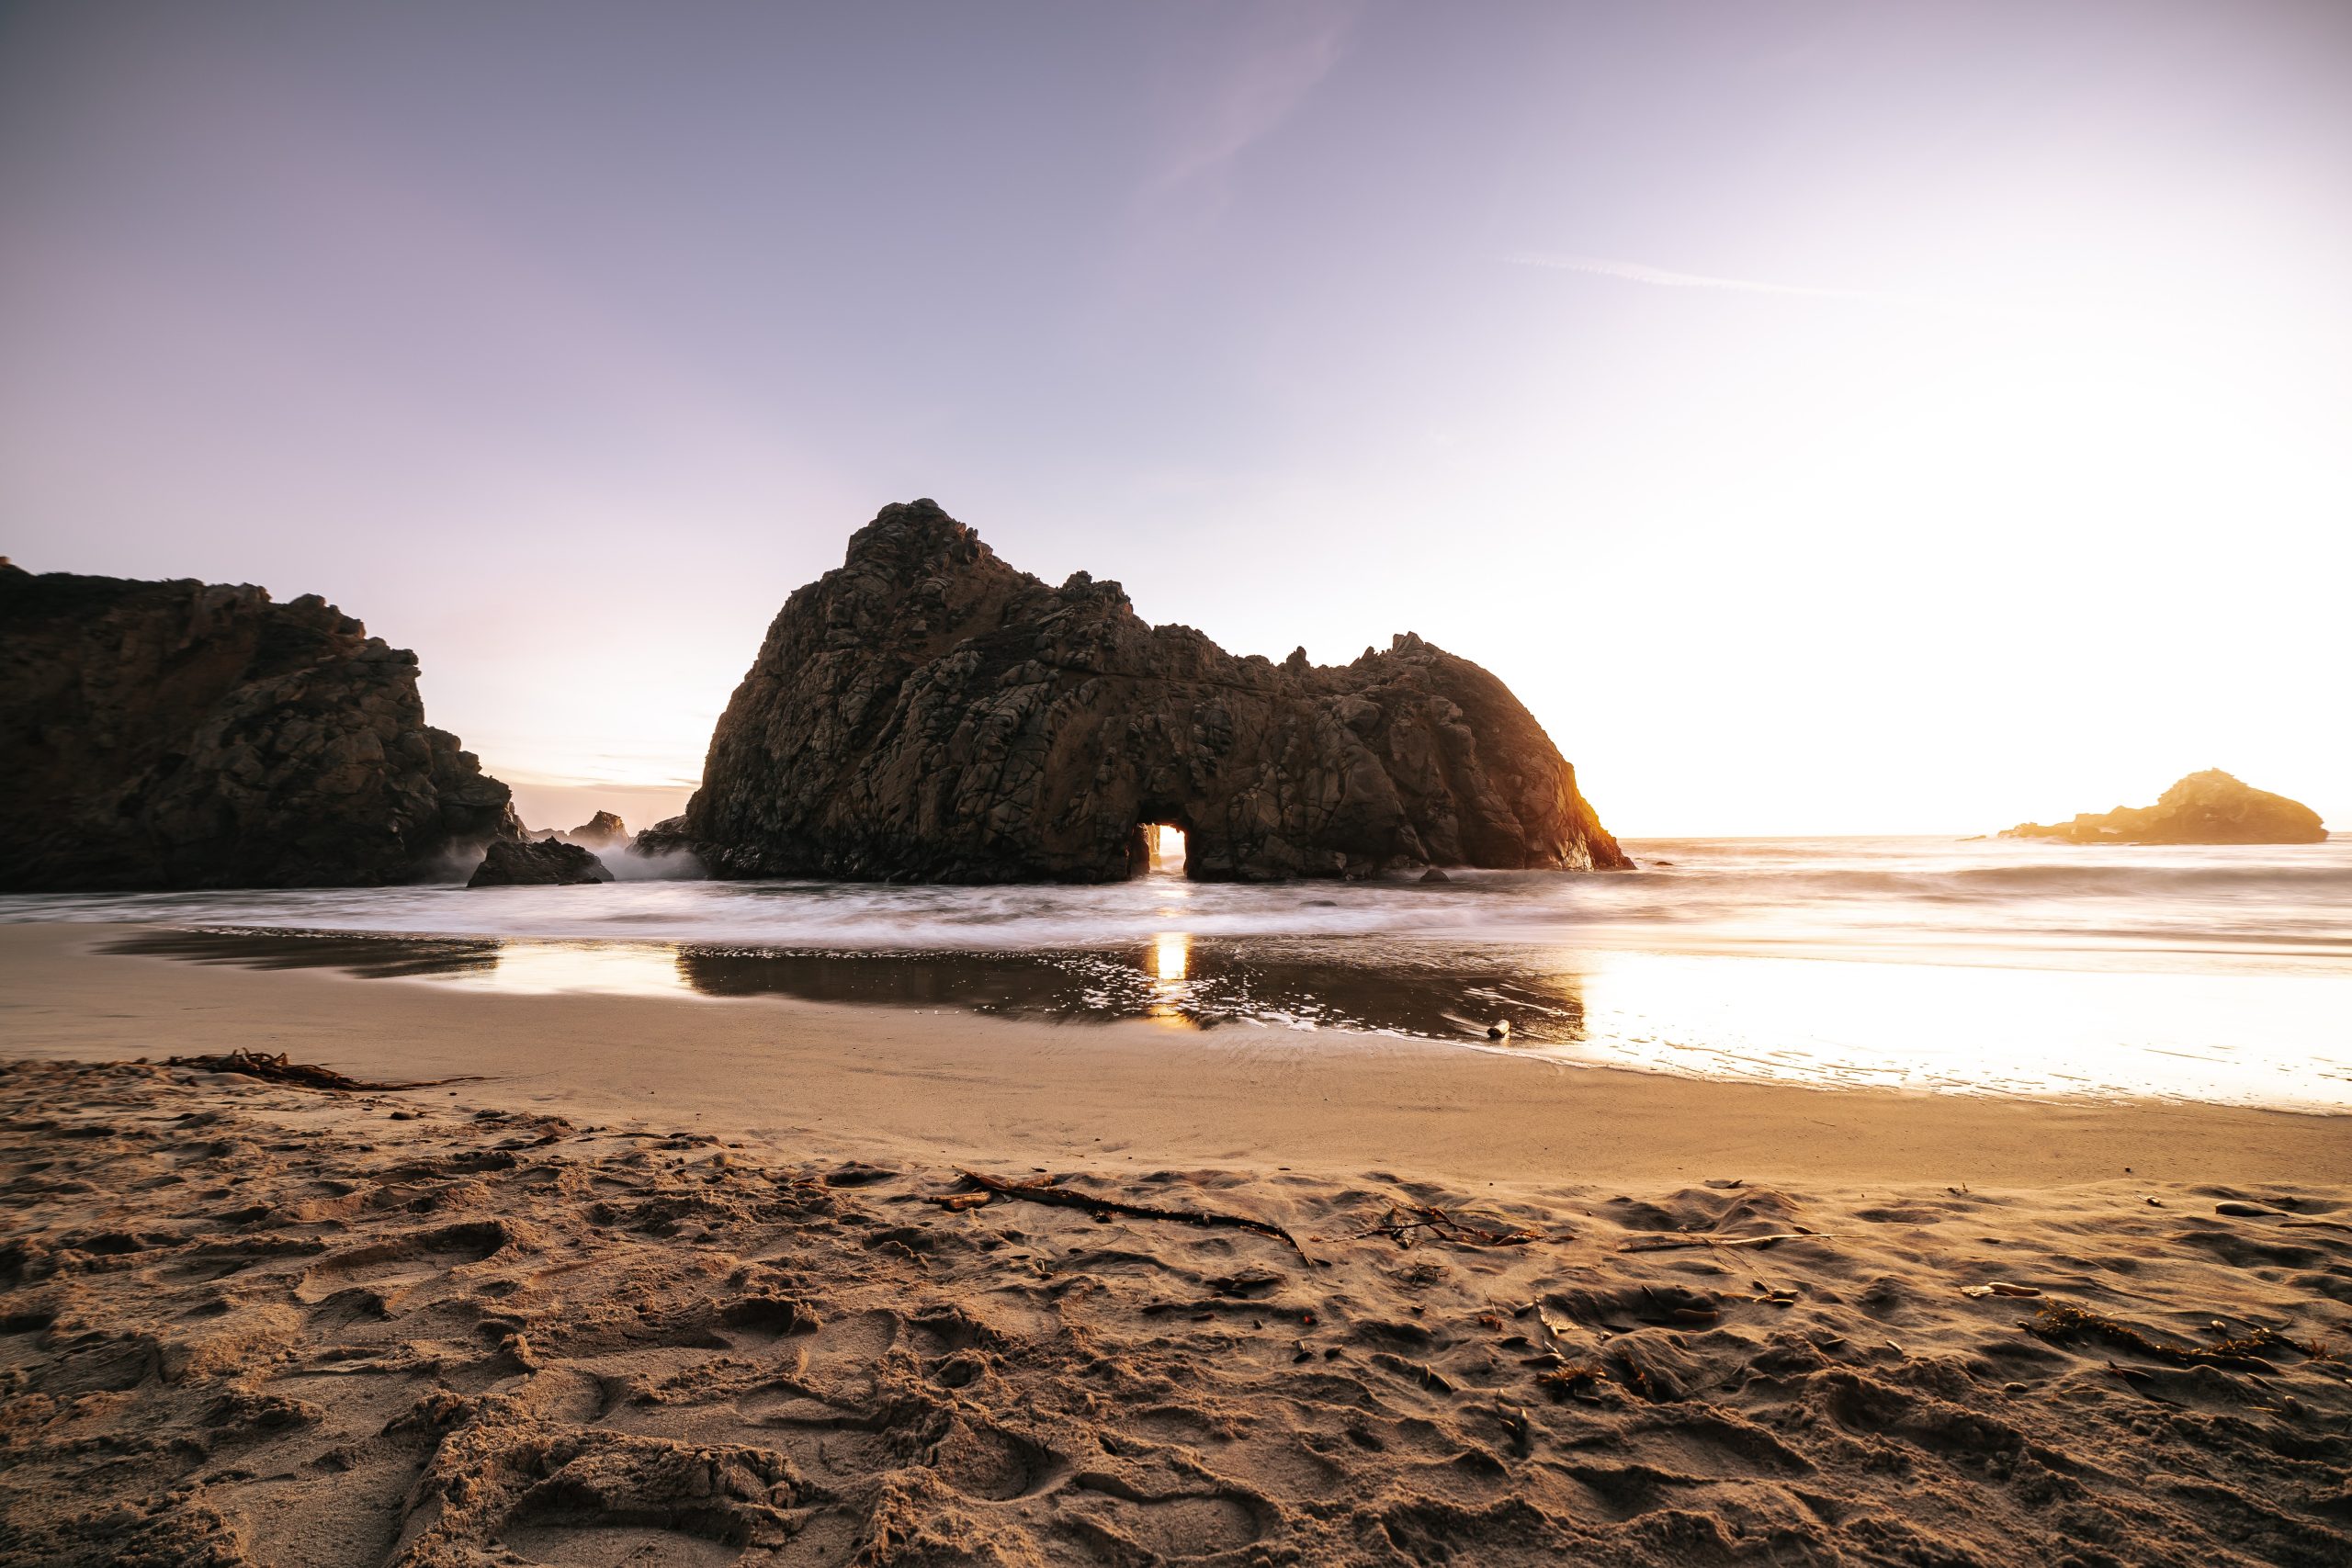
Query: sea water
pixel 2220 974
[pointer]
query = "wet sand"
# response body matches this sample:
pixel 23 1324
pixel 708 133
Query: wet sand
pixel 857 1082
pixel 666 1283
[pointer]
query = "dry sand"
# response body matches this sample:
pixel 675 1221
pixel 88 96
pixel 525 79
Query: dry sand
pixel 550 1318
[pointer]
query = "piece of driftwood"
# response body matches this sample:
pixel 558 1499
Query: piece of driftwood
pixel 1406 1219
pixel 1048 1191
pixel 1554 1337
pixel 1668 1243
pixel 277 1069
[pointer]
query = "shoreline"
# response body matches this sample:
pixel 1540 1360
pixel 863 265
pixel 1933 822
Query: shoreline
pixel 864 1081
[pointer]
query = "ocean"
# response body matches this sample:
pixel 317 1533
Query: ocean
pixel 1984 967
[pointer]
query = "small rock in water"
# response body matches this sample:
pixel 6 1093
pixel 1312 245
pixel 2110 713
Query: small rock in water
pixel 1500 1031
pixel 1435 875
pixel 544 863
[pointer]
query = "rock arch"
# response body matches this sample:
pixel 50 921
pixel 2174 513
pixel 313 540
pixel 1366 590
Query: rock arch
pixel 927 713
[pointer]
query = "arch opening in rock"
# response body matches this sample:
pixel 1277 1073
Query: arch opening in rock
pixel 1159 851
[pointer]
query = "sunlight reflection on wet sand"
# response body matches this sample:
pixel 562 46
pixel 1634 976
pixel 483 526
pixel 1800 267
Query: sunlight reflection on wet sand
pixel 616 968
pixel 2242 1038
pixel 2268 1040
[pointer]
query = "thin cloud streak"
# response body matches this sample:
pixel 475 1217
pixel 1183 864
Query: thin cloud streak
pixel 1638 272
pixel 1664 278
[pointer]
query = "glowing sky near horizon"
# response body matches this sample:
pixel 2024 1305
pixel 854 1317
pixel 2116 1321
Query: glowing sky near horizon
pixel 1827 417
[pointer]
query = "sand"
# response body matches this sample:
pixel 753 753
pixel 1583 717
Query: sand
pixel 545 1316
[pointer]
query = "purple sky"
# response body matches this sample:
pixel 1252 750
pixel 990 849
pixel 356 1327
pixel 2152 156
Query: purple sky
pixel 1826 416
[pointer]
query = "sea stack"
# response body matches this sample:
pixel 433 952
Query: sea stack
pixel 927 713
pixel 540 863
pixel 163 735
pixel 599 831
pixel 2210 807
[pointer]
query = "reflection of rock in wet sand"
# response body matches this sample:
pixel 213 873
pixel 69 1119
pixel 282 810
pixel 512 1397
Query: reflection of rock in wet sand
pixel 1203 983
pixel 249 1324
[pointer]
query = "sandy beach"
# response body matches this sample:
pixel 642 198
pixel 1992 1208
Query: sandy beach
pixel 670 1281
pixel 1266 786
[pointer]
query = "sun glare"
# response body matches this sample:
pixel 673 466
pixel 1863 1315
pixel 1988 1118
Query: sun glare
pixel 1165 842
pixel 1169 953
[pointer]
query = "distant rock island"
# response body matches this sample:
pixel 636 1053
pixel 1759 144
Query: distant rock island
pixel 602 830
pixel 163 735
pixel 2210 807
pixel 927 713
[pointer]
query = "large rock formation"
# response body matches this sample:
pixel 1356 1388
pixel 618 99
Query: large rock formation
pixel 178 735
pixel 542 862
pixel 927 713
pixel 2210 807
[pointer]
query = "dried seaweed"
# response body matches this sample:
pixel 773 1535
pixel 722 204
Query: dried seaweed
pixel 303 1075
pixel 2062 1321
pixel 1581 1378
pixel 1406 1219
pixel 1098 1205
pixel 957 1203
pixel 1669 1242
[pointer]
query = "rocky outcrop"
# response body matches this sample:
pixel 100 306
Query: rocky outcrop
pixel 2210 807
pixel 927 713
pixel 599 830
pixel 539 863
pixel 157 735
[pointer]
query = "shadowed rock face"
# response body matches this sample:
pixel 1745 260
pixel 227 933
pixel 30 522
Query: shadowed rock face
pixel 2210 807
pixel 182 735
pixel 927 713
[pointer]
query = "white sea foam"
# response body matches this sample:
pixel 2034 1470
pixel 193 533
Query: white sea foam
pixel 1991 901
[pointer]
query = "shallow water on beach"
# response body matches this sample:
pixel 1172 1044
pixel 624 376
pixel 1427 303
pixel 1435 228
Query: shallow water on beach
pixel 1990 966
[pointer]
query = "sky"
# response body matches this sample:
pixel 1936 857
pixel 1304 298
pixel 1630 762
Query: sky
pixel 1827 417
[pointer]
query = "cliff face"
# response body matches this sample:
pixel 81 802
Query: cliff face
pixel 158 735
pixel 927 713
pixel 2210 807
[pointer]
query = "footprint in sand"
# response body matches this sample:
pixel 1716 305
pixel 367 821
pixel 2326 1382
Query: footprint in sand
pixel 392 1269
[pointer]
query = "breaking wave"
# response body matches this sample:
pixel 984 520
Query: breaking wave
pixel 1997 900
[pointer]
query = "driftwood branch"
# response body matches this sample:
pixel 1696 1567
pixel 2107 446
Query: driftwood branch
pixel 1060 1197
pixel 1407 1220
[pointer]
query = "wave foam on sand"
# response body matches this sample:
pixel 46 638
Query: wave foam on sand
pixel 251 1323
